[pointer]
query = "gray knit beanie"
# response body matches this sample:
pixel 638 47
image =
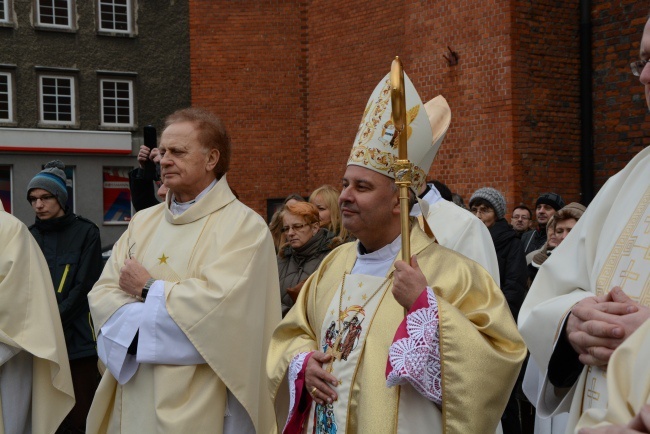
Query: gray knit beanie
pixel 495 199
pixel 51 179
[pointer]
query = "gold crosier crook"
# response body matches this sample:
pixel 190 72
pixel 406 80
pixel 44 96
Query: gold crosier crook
pixel 402 167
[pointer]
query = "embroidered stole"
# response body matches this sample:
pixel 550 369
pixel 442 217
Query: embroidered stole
pixel 627 266
pixel 333 418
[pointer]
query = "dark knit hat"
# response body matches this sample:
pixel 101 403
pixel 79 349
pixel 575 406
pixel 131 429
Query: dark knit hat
pixel 51 179
pixel 552 199
pixel 495 199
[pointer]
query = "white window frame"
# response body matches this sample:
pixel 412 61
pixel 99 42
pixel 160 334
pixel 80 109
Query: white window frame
pixel 40 23
pixel 131 100
pixel 73 100
pixel 5 8
pixel 10 96
pixel 129 18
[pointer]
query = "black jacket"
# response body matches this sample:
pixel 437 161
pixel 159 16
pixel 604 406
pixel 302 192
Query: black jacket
pixel 143 189
pixel 533 240
pixel 72 249
pixel 512 264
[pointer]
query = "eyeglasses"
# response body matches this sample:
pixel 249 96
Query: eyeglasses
pixel 44 198
pixel 296 227
pixel 481 210
pixel 520 217
pixel 637 67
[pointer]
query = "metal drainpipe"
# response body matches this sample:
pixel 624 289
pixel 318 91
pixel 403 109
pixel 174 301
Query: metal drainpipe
pixel 586 106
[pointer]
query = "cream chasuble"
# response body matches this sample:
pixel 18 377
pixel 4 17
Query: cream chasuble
pixel 30 324
pixel 481 351
pixel 218 264
pixel 608 247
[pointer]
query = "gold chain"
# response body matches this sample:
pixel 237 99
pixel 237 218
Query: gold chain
pixel 364 304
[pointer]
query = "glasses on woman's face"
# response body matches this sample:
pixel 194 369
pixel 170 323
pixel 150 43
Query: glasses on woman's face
pixel 296 227
pixel 483 210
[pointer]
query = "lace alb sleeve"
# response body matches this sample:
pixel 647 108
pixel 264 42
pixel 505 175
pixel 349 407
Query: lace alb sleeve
pixel 414 356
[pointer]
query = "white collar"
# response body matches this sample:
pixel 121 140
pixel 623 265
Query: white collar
pixel 378 262
pixel 178 208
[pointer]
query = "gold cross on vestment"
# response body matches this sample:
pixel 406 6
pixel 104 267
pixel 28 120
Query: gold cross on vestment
pixel 628 274
pixel 592 394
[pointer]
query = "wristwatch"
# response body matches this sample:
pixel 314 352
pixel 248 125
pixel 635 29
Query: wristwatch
pixel 147 286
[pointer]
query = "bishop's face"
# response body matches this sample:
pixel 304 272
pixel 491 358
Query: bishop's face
pixel 369 205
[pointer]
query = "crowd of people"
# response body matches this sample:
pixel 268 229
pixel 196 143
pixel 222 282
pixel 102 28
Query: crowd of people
pixel 206 319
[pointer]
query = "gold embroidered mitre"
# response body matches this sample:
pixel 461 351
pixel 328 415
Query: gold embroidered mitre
pixel 427 125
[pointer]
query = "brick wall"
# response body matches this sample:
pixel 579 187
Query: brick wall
pixel 621 119
pixel 249 67
pixel 291 80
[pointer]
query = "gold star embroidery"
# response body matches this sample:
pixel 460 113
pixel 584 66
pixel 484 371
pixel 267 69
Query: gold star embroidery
pixel 340 382
pixel 163 259
pixel 364 296
pixel 349 298
pixel 332 312
pixel 360 284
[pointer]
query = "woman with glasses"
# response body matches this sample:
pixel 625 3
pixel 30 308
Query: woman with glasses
pixel 306 246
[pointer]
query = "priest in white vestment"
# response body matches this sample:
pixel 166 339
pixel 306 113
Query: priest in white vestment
pixel 36 391
pixel 374 344
pixel 186 305
pixel 573 319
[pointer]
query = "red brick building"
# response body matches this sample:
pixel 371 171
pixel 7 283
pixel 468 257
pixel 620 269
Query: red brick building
pixel 291 80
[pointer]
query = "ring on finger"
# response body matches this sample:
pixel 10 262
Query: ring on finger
pixel 313 391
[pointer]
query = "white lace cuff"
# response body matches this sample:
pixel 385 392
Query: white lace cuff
pixel 294 369
pixel 414 356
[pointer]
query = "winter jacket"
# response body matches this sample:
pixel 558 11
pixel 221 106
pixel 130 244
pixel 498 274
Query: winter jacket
pixel 296 265
pixel 533 240
pixel 72 249
pixel 512 264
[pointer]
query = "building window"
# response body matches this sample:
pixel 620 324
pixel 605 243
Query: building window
pixel 116 102
pixel 54 14
pixel 5 187
pixel 58 105
pixel 117 196
pixel 6 98
pixel 115 16
pixel 5 12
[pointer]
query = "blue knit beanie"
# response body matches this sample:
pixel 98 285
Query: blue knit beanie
pixel 51 179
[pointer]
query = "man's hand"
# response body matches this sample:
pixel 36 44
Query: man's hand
pixel 143 156
pixel 319 380
pixel 408 283
pixel 133 277
pixel 598 325
pixel 640 424
pixel 155 155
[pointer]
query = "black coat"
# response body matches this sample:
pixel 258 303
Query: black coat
pixel 72 249
pixel 533 240
pixel 513 271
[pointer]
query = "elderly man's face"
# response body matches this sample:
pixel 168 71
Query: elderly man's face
pixel 186 167
pixel 369 204
pixel 644 54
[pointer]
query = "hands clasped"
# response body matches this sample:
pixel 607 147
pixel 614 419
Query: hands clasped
pixel 598 325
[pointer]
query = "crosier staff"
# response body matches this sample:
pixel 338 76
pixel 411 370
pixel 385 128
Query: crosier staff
pixel 402 167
